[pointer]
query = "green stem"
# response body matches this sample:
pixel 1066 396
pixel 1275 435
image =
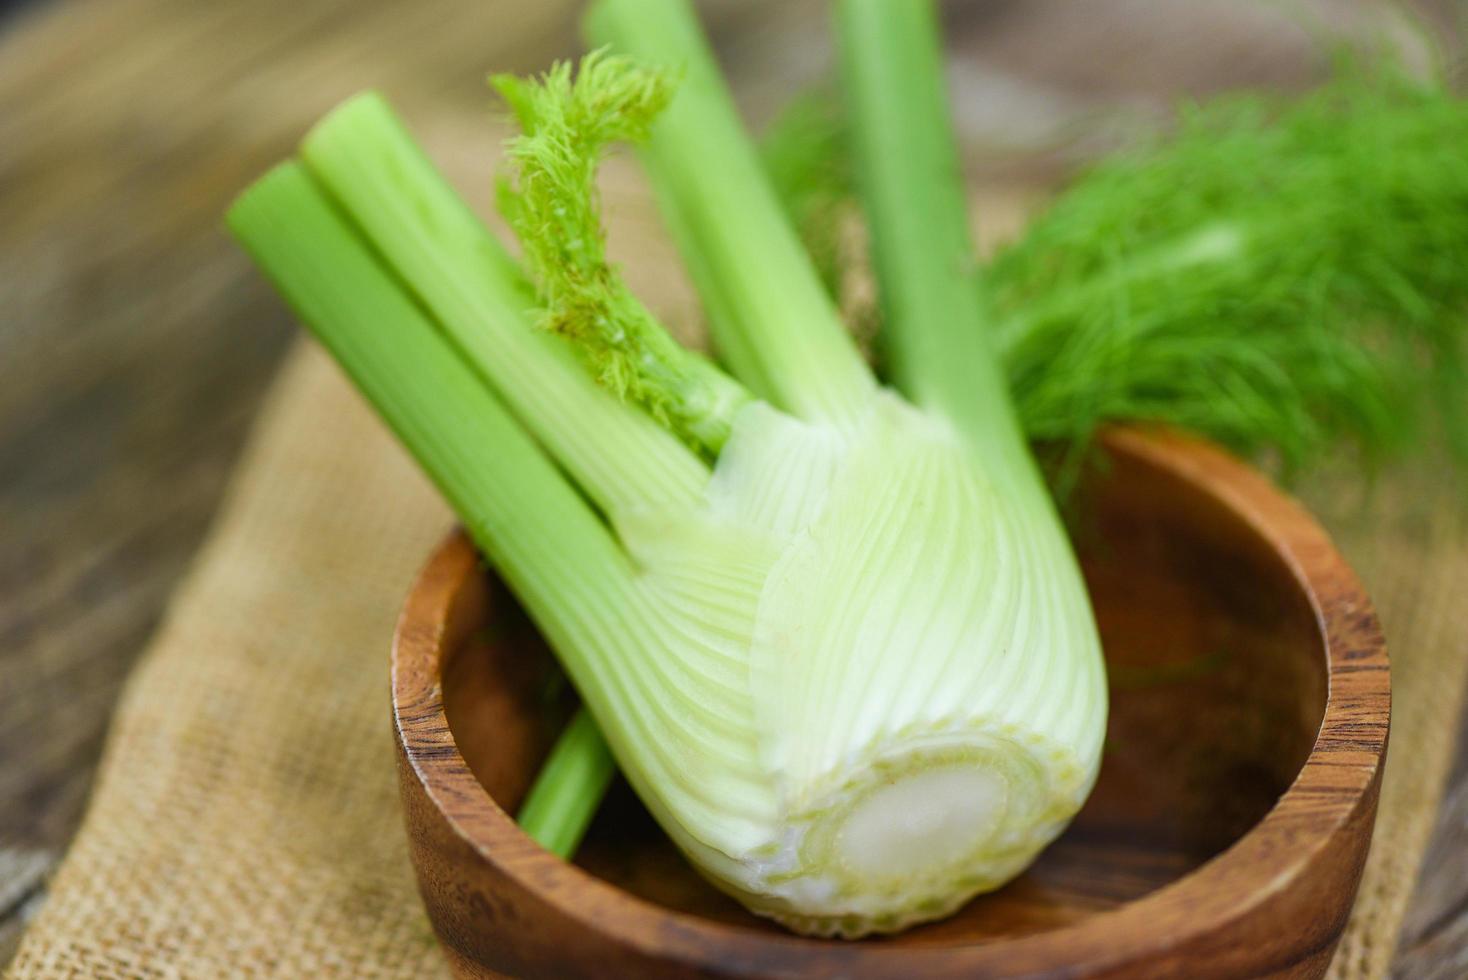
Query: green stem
pixel 771 318
pixel 371 165
pixel 561 804
pixel 557 557
pixel 909 180
pixel 698 398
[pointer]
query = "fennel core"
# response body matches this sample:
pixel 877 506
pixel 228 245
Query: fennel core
pixel 833 632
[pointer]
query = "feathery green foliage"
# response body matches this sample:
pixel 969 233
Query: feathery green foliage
pixel 551 202
pixel 1285 275
pixel 803 152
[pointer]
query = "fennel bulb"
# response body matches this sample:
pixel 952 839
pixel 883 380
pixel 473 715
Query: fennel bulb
pixel 831 630
pixel 878 654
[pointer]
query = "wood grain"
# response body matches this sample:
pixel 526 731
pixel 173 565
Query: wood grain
pixel 1434 943
pixel 135 341
pixel 1225 836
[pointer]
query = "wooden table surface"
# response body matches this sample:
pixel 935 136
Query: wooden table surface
pixel 136 342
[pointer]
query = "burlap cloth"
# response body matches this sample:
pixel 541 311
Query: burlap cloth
pixel 246 822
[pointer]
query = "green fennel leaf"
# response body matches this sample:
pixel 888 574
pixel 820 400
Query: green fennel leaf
pixel 1287 275
pixel 552 203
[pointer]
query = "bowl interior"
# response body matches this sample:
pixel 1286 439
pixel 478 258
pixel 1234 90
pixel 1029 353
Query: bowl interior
pixel 1218 684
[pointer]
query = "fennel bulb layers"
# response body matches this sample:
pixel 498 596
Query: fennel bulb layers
pixel 871 685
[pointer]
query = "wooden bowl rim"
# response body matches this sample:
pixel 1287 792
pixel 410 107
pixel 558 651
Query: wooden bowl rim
pixel 1335 783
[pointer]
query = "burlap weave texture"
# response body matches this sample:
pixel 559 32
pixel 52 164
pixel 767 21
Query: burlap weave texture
pixel 246 821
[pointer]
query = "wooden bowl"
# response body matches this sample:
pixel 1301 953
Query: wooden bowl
pixel 1225 838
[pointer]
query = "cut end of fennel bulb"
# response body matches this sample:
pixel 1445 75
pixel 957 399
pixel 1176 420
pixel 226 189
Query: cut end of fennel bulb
pixel 920 824
pixel 914 837
pixel 877 688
